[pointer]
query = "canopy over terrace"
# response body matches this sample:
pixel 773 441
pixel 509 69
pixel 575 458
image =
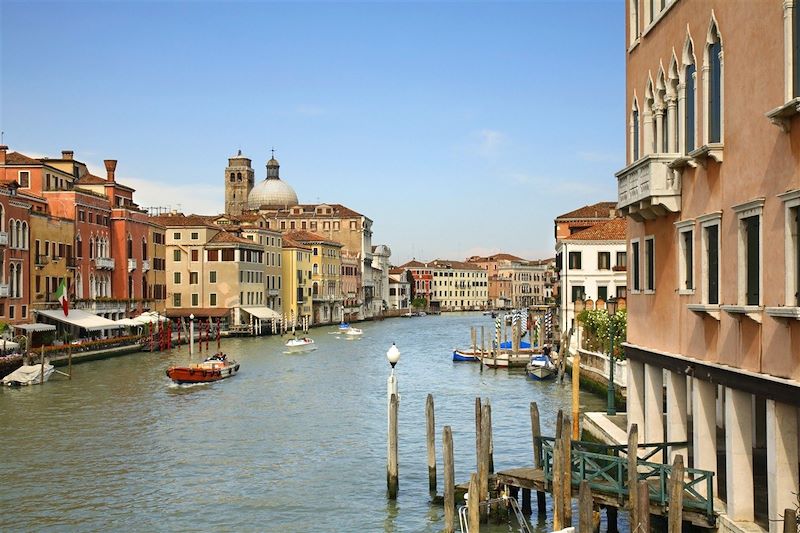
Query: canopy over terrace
pixel 80 320
pixel 263 313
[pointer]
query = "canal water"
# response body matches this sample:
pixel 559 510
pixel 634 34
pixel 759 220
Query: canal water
pixel 292 443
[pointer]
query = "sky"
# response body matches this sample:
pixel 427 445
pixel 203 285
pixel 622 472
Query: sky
pixel 459 128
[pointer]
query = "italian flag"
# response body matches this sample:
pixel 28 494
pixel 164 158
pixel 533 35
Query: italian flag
pixel 61 296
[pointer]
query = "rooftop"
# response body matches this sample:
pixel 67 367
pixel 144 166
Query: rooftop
pixel 600 210
pixel 608 230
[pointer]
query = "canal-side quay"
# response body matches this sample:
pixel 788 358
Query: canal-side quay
pixel 272 445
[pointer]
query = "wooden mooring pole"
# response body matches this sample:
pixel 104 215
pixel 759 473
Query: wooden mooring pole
pixel 633 475
pixel 431 443
pixel 585 509
pixel 643 504
pixel 576 396
pixel 478 432
pixel 473 504
pixel 566 465
pixel 483 468
pixel 391 469
pixel 789 521
pixel 488 414
pixel 536 432
pixel 449 481
pixel 675 523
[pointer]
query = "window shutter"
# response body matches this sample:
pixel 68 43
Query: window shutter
pixel 752 260
pixel 713 264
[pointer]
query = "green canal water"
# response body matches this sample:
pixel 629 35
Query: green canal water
pixel 292 443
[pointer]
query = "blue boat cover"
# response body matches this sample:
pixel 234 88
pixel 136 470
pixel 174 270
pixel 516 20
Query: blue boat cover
pixel 507 345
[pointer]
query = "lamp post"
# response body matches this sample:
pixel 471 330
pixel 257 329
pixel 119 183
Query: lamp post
pixel 191 334
pixel 611 309
pixel 393 355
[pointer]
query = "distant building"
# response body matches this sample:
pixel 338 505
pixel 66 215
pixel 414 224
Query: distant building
pixel 514 282
pixel 297 280
pixel 399 289
pixel 449 285
pixel 326 275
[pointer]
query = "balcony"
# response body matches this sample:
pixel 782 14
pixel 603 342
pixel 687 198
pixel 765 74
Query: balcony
pixel 131 265
pixel 145 265
pixel 41 260
pixel 274 292
pixel 4 292
pixel 72 262
pixel 649 188
pixel 3 238
pixel 104 263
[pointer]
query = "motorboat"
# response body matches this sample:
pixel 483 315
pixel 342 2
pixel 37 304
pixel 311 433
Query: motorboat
pixel 353 332
pixel 29 375
pixel 540 367
pixel 343 326
pixel 213 368
pixel 302 344
pixel 466 356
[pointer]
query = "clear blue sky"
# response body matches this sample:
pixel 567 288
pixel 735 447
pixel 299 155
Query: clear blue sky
pixel 458 127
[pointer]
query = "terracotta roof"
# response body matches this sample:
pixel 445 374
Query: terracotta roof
pixel 290 243
pixel 395 271
pixel 91 179
pixel 16 158
pixel 181 220
pixel 599 210
pixel 609 230
pixel 411 264
pixel 308 236
pixel 309 211
pixel 224 237
pixel 444 263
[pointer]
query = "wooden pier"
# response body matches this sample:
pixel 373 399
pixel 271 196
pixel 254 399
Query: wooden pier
pixel 633 477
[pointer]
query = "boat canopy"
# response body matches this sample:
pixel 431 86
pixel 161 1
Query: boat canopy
pixel 81 319
pixel 264 313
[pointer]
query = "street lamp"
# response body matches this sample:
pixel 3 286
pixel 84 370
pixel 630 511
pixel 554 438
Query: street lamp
pixel 611 309
pixel 191 334
pixel 393 355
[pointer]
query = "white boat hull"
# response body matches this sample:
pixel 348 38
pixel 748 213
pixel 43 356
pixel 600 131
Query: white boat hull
pixel 29 375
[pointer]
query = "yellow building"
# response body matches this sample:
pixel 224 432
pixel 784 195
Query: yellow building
pixel 52 259
pixel 211 272
pixel 296 292
pixel 326 275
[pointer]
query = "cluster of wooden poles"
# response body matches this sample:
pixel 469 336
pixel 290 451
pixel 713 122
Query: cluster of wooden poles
pixel 159 337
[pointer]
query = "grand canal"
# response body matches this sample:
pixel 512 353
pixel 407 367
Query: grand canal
pixel 292 443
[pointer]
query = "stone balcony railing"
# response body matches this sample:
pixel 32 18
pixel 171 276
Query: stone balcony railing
pixel 104 263
pixel 4 292
pixel 274 292
pixel 145 265
pixel 649 188
pixel 3 238
pixel 131 265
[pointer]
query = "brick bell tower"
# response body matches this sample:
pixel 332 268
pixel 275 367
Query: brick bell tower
pixel 239 178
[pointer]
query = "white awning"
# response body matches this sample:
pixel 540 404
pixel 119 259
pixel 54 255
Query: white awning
pixel 264 313
pixel 149 317
pixel 8 345
pixel 82 319
pixel 34 328
pixel 131 322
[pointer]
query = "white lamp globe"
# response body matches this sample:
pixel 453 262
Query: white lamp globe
pixel 393 355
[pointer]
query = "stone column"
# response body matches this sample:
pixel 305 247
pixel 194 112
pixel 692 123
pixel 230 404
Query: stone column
pixel 672 124
pixel 677 420
pixel 682 121
pixel 782 460
pixel 654 406
pixel 704 424
pixel 635 399
pixel 659 134
pixel 739 454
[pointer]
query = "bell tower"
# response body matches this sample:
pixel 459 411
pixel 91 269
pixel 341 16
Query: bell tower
pixel 239 178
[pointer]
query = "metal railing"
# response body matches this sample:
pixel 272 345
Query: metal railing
pixel 605 467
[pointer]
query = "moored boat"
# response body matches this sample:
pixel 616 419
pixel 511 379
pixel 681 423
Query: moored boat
pixel 466 356
pixel 214 368
pixel 540 367
pixel 29 375
pixel 496 360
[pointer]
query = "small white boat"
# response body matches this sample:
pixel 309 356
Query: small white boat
pixel 540 367
pixel 353 332
pixel 303 344
pixel 29 375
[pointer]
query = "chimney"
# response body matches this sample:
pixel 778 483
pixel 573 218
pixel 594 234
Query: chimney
pixel 67 154
pixel 3 150
pixel 111 166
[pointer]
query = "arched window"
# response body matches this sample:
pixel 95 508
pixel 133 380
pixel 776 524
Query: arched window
pixel 130 247
pixel 690 96
pixel 649 123
pixel 238 176
pixel 18 234
pixel 233 177
pixel 24 235
pixel 78 246
pixel 673 118
pixel 635 131
pixel 662 124
pixel 144 249
pixel 713 88
pixel 91 249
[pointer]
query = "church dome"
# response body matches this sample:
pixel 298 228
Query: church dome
pixel 272 192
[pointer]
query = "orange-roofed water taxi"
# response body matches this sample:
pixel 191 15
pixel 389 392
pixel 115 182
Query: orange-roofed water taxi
pixel 213 368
